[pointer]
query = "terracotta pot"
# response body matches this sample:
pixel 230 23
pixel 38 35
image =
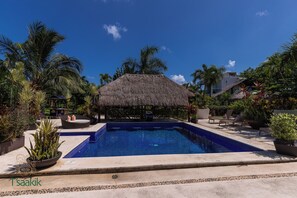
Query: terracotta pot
pixel 6 147
pixel 44 163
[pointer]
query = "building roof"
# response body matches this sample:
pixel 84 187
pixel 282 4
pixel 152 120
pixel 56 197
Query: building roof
pixel 143 89
pixel 229 87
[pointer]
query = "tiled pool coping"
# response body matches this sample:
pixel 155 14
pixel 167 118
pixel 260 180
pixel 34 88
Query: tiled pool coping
pixel 159 162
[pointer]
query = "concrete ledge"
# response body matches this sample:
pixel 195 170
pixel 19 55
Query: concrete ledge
pixel 74 137
pixel 159 162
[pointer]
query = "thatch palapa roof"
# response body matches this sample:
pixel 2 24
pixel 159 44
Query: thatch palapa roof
pixel 142 90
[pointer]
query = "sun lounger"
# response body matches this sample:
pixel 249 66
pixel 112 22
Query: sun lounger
pixel 237 120
pixel 225 117
pixel 80 122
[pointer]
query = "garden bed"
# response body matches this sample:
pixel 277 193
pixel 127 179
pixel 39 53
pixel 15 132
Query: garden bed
pixel 9 146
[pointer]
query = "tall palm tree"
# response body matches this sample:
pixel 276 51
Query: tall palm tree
pixel 104 79
pixel 148 63
pixel 208 76
pixel 52 73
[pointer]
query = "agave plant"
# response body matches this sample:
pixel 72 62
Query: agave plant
pixel 46 141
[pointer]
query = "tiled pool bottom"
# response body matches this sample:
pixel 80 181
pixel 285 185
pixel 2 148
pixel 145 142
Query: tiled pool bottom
pixel 128 139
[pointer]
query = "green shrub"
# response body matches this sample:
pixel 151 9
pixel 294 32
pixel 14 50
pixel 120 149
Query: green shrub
pixel 5 126
pixel 284 127
pixel 256 112
pixel 218 110
pixel 13 124
pixel 46 141
pixel 238 106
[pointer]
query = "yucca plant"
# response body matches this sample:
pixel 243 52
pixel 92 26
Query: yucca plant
pixel 46 141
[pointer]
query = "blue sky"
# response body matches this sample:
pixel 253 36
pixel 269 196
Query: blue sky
pixel 102 33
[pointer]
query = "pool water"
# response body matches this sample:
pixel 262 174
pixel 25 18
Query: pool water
pixel 126 142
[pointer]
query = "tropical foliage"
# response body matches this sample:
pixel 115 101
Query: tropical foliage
pixel 48 71
pixel 279 76
pixel 13 123
pixel 46 142
pixel 208 76
pixel 104 79
pixel 147 63
pixel 203 80
pixel 284 127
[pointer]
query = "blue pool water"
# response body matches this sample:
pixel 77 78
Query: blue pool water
pixel 179 138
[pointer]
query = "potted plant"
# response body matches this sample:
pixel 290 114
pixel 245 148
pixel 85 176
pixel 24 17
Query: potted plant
pixel 194 118
pixel 203 110
pixel 12 127
pixel 45 152
pixel 284 130
pixel 192 113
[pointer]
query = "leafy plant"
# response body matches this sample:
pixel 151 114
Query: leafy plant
pixel 147 64
pixel 46 141
pixel 218 110
pixel 238 106
pixel 208 76
pixel 194 117
pixel 5 132
pixel 284 127
pixel 255 111
pixel 12 124
pixel 51 72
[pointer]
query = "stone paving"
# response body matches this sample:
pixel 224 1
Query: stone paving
pixel 251 180
pixel 150 162
pixel 167 182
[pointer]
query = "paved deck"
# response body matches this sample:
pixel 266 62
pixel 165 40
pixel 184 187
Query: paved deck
pixel 215 176
pixel 270 180
pixel 148 162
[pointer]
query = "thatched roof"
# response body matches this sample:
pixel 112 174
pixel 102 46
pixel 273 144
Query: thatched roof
pixel 143 89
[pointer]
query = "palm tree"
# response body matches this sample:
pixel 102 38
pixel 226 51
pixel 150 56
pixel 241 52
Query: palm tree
pixel 104 79
pixel 208 76
pixel 148 64
pixel 52 73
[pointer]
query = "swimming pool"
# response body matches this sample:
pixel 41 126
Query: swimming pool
pixel 126 139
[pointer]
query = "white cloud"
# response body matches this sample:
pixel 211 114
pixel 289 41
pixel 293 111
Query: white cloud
pixel 262 13
pixel 91 77
pixel 167 49
pixel 231 63
pixel 179 79
pixel 115 30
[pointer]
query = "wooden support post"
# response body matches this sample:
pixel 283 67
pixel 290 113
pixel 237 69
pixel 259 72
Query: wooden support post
pixel 105 113
pixel 99 114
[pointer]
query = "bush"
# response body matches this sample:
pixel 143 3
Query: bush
pixel 46 141
pixel 284 127
pixel 255 111
pixel 218 110
pixel 13 124
pixel 238 106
